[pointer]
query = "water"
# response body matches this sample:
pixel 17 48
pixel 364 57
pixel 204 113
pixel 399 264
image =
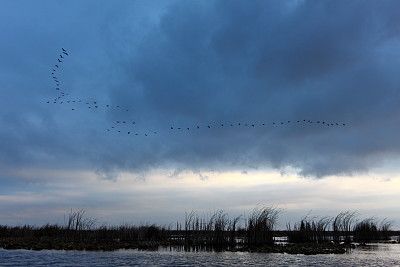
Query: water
pixel 372 255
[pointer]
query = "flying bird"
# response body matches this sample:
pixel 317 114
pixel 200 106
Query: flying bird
pixel 63 49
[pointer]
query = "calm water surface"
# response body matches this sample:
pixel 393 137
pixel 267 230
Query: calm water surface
pixel 372 255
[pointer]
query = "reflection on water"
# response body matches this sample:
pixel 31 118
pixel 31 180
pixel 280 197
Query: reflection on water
pixel 370 255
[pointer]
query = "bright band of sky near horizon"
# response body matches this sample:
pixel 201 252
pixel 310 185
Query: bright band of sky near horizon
pixel 164 197
pixel 260 79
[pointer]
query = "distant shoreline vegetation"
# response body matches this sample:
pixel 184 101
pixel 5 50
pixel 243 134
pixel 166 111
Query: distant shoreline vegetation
pixel 216 232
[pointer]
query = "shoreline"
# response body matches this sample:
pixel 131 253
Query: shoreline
pixel 290 248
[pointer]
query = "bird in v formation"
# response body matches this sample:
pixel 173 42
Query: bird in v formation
pixel 95 105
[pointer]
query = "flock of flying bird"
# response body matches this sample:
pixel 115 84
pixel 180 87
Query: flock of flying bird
pixel 130 126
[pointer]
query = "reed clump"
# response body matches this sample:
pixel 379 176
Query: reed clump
pixel 344 227
pixel 216 231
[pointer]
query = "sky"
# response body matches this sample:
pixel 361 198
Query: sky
pixel 164 107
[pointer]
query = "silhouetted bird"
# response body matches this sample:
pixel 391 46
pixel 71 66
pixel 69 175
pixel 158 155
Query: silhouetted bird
pixel 172 128
pixel 107 105
pixel 65 53
pixel 187 129
pixel 59 60
pixel 63 49
pixel 208 126
pixel 198 126
pixel 56 66
pixel 61 56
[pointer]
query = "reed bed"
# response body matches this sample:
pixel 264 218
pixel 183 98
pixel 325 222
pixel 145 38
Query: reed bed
pixel 344 227
pixel 213 230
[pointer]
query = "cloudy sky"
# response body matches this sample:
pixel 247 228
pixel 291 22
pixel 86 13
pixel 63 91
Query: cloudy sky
pixel 307 92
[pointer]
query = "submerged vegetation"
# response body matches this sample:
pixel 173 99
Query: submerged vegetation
pixel 199 232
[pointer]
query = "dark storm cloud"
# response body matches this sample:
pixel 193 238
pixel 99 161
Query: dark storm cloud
pixel 188 63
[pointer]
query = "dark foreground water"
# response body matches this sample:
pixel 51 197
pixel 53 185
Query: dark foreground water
pixel 372 255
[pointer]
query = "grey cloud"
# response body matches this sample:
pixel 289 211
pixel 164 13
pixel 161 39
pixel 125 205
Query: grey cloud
pixel 206 63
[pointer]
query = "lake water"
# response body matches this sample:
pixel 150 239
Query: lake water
pixel 371 255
